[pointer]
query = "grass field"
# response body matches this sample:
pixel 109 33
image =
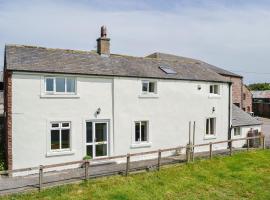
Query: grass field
pixel 245 175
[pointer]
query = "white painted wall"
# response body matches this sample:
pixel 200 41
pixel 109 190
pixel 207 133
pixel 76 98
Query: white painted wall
pixel 243 133
pixel 168 114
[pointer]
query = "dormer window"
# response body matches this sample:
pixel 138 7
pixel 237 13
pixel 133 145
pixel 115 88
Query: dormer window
pixel 149 87
pixel 60 85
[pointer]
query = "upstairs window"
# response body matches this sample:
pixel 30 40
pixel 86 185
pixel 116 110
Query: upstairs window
pixel 215 89
pixel 210 127
pixel 149 87
pixel 60 85
pixel 60 136
pixel 141 131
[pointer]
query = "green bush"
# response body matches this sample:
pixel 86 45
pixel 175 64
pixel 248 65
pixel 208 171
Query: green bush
pixel 87 157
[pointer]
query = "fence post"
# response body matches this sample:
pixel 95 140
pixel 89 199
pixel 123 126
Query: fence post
pixel 86 169
pixel 263 141
pixel 192 153
pixel 188 153
pixel 210 150
pixel 128 162
pixel 40 177
pixel 159 160
pixel 247 144
pixel 231 148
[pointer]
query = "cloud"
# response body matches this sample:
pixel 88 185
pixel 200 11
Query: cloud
pixel 229 35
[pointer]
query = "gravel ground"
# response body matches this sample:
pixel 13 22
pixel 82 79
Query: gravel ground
pixel 266 130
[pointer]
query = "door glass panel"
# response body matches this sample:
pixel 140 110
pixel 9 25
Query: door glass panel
pixel 101 150
pixel 89 132
pixel 89 150
pixel 101 132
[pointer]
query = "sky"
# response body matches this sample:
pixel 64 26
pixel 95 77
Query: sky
pixel 232 34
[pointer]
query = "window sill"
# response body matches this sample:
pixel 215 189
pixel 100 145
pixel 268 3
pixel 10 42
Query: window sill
pixel 59 153
pixel 210 137
pixel 149 96
pixel 214 96
pixel 141 145
pixel 59 96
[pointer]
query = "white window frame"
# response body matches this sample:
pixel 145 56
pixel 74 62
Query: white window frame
pixel 134 142
pixel 60 128
pixel 208 135
pixel 214 87
pixel 234 131
pixel 54 85
pixel 148 83
pixel 94 143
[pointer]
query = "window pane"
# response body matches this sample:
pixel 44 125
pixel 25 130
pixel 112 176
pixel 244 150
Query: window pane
pixel 145 87
pixel 60 84
pixel 212 126
pixel 151 87
pixel 101 150
pixel 89 132
pixel 65 139
pixel 49 84
pixel 66 124
pixel 70 85
pixel 55 143
pixel 216 91
pixel 89 150
pixel 55 125
pixel 137 132
pixel 211 89
pixel 144 131
pixel 207 126
pixel 101 132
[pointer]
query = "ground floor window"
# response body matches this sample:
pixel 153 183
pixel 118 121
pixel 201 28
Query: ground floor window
pixel 210 126
pixel 141 131
pixel 60 135
pixel 237 131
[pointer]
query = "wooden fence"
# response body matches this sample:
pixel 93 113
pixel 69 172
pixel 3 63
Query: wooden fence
pixel 190 154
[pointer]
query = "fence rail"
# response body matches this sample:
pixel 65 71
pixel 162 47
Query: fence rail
pixel 87 163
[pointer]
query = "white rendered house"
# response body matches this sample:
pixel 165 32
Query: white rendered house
pixel 62 105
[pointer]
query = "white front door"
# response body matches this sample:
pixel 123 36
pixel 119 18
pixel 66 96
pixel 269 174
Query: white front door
pixel 97 138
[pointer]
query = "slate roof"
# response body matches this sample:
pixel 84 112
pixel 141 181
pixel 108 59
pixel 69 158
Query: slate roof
pixel 261 94
pixel 241 118
pixel 40 59
pixel 164 56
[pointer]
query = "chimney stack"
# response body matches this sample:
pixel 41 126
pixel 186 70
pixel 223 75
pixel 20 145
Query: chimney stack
pixel 103 43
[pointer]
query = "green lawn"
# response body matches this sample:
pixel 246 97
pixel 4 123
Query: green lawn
pixel 245 175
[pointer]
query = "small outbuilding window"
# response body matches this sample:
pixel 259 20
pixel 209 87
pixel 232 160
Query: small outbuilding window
pixel 210 127
pixel 60 136
pixel 149 87
pixel 215 89
pixel 60 85
pixel 141 131
pixel 237 131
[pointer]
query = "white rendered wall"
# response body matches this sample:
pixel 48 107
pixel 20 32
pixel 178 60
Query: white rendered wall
pixel 168 114
pixel 243 133
pixel 32 115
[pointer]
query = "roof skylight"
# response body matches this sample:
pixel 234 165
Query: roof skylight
pixel 167 69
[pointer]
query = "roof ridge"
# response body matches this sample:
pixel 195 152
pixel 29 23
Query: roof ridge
pixel 50 48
